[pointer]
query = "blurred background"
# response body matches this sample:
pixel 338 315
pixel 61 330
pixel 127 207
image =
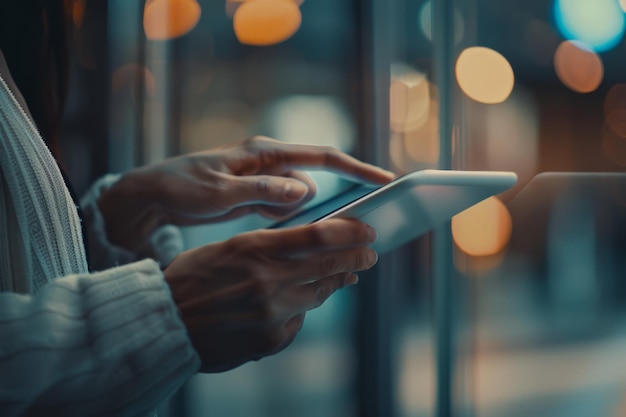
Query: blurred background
pixel 516 308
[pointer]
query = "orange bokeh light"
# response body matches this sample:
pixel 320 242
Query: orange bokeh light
pixel 614 146
pixel 409 101
pixel 78 12
pixel 617 121
pixel 615 99
pixel 169 19
pixel 130 75
pixel 266 22
pixel 578 67
pixel 484 75
pixel 484 229
pixel 233 5
pixel 422 145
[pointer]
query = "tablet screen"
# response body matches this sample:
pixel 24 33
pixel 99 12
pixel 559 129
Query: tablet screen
pixel 322 209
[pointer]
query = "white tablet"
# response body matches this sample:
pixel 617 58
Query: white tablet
pixel 410 205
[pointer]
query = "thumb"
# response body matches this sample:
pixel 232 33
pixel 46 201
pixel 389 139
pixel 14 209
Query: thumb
pixel 266 189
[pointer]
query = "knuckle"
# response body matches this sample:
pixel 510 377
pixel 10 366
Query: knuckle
pixel 360 260
pixel 323 292
pixel 262 288
pixel 263 186
pixel 328 265
pixel 272 340
pixel 240 244
pixel 251 142
pixel 267 313
pixel 318 233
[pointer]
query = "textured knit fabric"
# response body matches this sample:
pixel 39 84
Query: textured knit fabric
pixel 74 343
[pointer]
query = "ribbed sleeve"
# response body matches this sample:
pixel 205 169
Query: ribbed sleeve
pixel 165 242
pixel 102 344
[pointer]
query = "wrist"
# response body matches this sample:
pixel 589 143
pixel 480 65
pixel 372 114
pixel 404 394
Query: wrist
pixel 130 211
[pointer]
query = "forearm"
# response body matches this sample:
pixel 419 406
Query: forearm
pixel 100 344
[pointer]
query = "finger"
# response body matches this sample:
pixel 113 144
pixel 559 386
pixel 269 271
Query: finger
pixel 313 267
pixel 311 296
pixel 326 235
pixel 265 189
pixel 278 212
pixel 298 156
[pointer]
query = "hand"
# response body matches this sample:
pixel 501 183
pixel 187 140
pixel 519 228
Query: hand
pixel 245 298
pixel 256 175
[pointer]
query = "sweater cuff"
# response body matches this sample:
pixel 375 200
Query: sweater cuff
pixel 137 331
pixel 133 297
pixel 164 243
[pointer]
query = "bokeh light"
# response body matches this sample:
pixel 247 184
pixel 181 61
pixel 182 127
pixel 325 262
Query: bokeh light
pixel 318 120
pixel 599 24
pixel 622 4
pixel 130 76
pixel 484 229
pixel 615 109
pixel 425 18
pixel 409 100
pixel 614 146
pixel 422 145
pixel 484 75
pixel 511 135
pixel 169 19
pixel 615 99
pixel 266 22
pixel 233 5
pixel 578 67
pixel 78 12
pixel 617 122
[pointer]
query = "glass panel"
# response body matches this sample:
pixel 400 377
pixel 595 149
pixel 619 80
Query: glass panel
pixel 543 332
pixel 413 144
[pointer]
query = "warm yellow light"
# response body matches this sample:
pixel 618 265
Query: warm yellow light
pixel 266 22
pixel 622 4
pixel 484 229
pixel 578 67
pixel 233 5
pixel 484 75
pixel 409 101
pixel 168 19
pixel 422 145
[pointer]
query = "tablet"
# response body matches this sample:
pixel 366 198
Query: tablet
pixel 409 206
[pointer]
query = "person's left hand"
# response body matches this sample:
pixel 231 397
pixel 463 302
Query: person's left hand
pixel 255 175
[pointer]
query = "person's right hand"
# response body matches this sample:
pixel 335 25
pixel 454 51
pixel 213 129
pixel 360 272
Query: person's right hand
pixel 245 298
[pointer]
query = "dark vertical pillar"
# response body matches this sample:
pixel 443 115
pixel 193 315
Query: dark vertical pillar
pixel 376 383
pixel 444 290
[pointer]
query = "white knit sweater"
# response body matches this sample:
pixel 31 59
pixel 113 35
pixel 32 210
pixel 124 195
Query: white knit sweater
pixel 74 343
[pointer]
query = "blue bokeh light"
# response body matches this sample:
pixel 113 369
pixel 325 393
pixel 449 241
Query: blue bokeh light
pixel 599 24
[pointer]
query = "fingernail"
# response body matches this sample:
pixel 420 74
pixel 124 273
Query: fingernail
pixel 295 190
pixel 372 258
pixel 352 279
pixel 371 234
pixel 388 173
